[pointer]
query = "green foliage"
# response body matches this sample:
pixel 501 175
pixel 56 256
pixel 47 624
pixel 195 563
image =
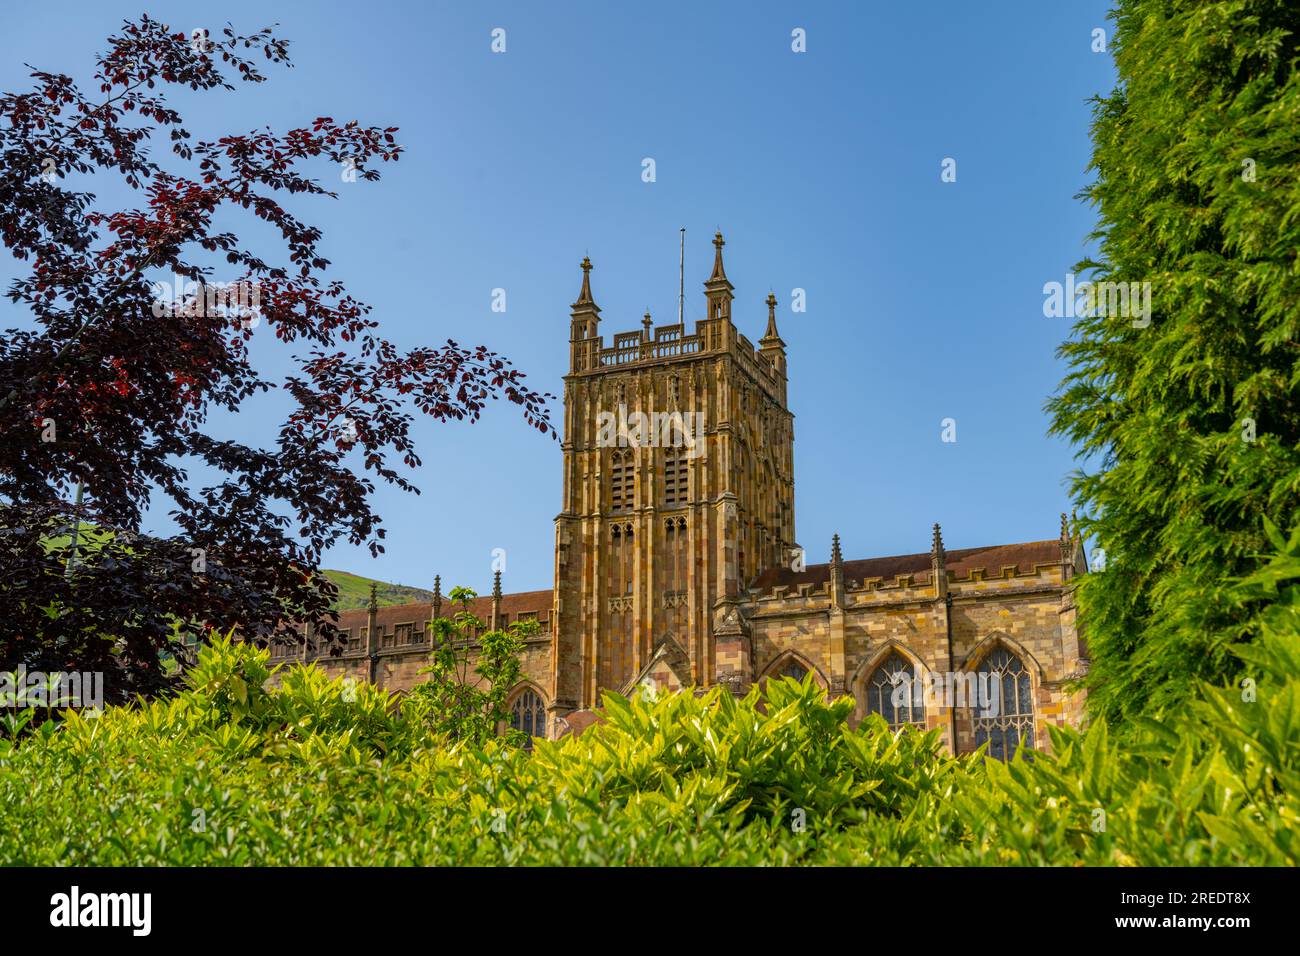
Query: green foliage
pixel 318 771
pixel 464 693
pixel 1198 193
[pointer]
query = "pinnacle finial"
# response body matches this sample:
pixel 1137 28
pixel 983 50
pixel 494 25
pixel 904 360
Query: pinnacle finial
pixel 496 585
pixel 1065 528
pixel 584 296
pixel 718 271
pixel 836 557
pixel 374 596
pixel 771 336
pixel 936 542
pixel 718 288
pixel 437 585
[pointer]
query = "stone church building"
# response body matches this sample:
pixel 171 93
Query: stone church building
pixel 677 563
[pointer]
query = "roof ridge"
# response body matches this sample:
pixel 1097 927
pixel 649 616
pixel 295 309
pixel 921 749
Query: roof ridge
pixel 926 554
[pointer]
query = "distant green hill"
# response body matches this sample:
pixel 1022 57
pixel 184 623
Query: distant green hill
pixel 354 591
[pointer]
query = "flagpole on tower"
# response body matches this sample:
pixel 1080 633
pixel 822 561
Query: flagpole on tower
pixel 681 281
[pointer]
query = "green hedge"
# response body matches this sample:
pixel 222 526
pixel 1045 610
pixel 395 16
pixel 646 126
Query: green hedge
pixel 228 773
pixel 327 772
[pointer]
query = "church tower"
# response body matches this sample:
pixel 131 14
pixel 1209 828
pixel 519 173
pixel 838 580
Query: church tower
pixel 678 492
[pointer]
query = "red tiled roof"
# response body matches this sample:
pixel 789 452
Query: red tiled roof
pixel 960 563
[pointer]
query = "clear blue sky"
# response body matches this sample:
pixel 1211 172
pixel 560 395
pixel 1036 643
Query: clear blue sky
pixel 924 298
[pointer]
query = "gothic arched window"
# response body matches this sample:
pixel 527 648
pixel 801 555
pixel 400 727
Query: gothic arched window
pixel 676 480
pixel 793 669
pixel 528 715
pixel 893 693
pixel 1010 688
pixel 676 543
pixel 621 481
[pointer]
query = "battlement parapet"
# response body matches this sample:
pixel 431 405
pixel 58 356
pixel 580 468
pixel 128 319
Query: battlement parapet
pixel 653 346
pixel 911 577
